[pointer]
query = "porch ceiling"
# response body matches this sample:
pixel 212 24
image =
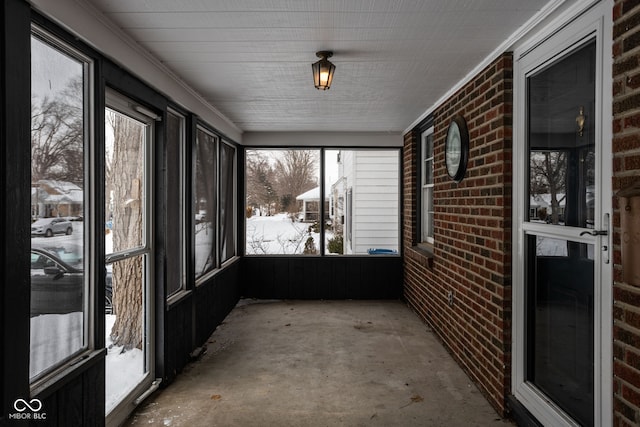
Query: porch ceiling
pixel 252 59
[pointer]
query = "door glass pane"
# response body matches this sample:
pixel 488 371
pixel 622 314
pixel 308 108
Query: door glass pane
pixel 126 149
pixel 126 360
pixel 562 141
pixel 58 283
pixel 124 172
pixel 560 323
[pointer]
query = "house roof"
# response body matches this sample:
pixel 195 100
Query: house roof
pixel 544 200
pixel 313 194
pixel 57 192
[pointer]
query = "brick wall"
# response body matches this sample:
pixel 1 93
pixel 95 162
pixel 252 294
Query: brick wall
pixel 626 171
pixel 472 251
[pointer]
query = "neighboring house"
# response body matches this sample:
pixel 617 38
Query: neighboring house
pixel 50 198
pixel 540 207
pixel 310 201
pixel 365 200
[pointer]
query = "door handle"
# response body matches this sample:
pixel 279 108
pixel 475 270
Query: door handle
pixel 595 233
pixel 605 232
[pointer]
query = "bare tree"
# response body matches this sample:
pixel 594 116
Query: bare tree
pixel 548 176
pixel 261 192
pixel 124 183
pixel 57 136
pixel 296 172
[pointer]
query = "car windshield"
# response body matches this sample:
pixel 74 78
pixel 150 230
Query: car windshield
pixel 42 221
pixel 70 254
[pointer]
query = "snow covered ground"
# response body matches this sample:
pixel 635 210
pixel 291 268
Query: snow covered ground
pixel 54 337
pixel 123 370
pixel 277 234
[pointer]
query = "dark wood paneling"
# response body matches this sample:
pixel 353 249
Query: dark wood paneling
pixel 15 179
pixel 352 277
pixel 179 337
pixel 78 399
pixel 214 300
pixel 338 287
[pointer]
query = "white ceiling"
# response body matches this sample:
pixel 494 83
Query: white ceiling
pixel 251 59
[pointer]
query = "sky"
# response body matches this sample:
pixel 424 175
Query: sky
pixel 51 70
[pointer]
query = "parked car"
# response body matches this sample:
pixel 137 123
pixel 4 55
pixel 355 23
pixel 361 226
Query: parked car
pixel 57 280
pixel 49 226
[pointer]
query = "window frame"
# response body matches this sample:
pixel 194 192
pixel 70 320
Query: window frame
pixel 424 239
pixel 325 190
pixel 202 278
pixel 181 229
pixel 220 141
pixel 89 336
pixel 234 203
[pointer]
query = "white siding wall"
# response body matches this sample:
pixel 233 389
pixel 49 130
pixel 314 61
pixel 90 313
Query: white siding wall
pixel 374 179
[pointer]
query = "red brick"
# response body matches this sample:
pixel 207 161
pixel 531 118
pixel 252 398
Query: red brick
pixel 626 373
pixel 631 395
pixel 469 227
pixel 632 163
pixel 626 142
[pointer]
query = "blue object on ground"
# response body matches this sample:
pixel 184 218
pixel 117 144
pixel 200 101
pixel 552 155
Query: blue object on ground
pixel 380 251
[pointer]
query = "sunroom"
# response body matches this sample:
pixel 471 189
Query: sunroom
pixel 477 161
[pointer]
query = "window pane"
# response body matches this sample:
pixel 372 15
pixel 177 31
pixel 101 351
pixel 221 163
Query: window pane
pixel 205 203
pixel 125 329
pixel 561 152
pixel 282 202
pixel 124 183
pixel 227 204
pixel 176 204
pixel 560 318
pixel 59 287
pixel 363 187
pixel 426 154
pixel 427 213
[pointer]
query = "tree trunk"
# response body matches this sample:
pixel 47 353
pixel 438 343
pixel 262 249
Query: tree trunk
pixel 127 195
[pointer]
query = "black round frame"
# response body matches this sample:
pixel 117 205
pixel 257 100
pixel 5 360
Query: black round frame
pixel 464 147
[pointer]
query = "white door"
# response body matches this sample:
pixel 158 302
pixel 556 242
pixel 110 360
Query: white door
pixel 562 273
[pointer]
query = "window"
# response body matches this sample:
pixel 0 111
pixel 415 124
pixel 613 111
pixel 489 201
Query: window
pixel 205 202
pixel 426 185
pixel 176 202
pixel 282 202
pixel 60 289
pixel 355 211
pixel 214 202
pixel 227 202
pixel 368 180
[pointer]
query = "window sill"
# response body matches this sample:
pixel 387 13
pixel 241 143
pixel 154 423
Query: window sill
pixel 178 297
pixel 208 276
pixel 422 255
pixel 67 373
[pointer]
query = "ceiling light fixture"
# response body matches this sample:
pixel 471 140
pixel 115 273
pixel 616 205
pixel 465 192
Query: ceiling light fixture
pixel 323 70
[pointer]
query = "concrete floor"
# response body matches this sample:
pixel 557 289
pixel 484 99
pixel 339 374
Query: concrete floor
pixel 320 363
